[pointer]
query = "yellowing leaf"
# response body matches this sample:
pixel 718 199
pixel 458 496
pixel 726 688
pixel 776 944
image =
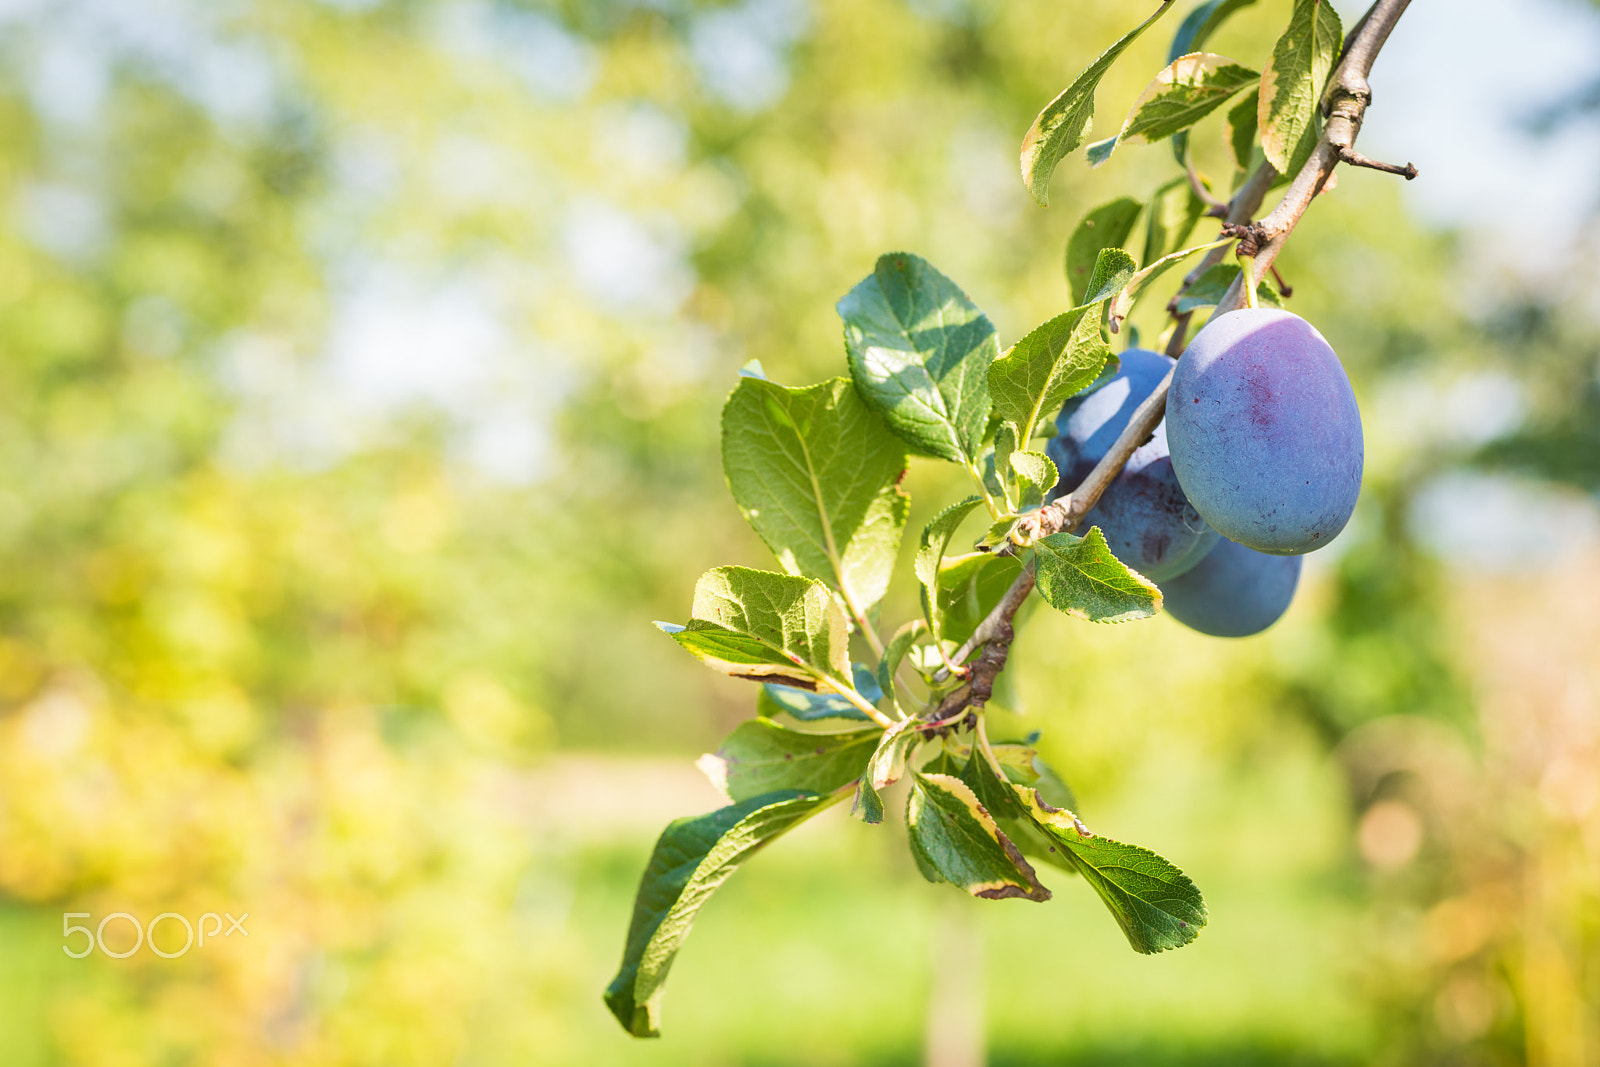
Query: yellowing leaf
pixel 1289 113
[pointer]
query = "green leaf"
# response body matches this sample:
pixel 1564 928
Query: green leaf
pixel 956 571
pixel 1036 475
pixel 1208 289
pixel 760 756
pixel 1015 759
pixel 1211 286
pixel 1174 210
pixel 1122 303
pixel 1289 113
pixel 1000 799
pixel 1198 26
pixel 925 660
pixel 1155 903
pixel 955 840
pixel 771 627
pixel 991 476
pixel 893 653
pixel 1080 576
pixel 930 553
pixel 919 353
pixel 1189 89
pixel 1053 362
pixel 806 706
pixel 1113 269
pixel 1060 127
pixel 971 588
pixel 1024 766
pixel 1005 443
pixel 692 858
pixel 816 473
pixel 1057 359
pixel 1180 148
pixel 1113 365
pixel 1019 761
pixel 884 768
pixel 999 532
pixel 1240 128
pixel 944 762
pixel 1107 226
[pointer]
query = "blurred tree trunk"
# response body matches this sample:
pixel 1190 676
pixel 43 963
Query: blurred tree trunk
pixel 953 1034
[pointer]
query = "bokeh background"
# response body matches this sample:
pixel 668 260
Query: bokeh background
pixel 360 368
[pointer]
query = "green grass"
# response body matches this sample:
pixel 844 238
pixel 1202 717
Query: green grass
pixel 822 951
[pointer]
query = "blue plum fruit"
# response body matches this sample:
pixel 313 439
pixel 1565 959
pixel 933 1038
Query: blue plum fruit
pixel 1233 592
pixel 1148 522
pixel 1265 432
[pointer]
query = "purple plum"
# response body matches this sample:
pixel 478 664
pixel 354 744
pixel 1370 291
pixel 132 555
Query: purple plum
pixel 1147 521
pixel 1265 432
pixel 1233 592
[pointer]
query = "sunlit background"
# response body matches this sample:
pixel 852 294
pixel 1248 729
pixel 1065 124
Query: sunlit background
pixel 360 369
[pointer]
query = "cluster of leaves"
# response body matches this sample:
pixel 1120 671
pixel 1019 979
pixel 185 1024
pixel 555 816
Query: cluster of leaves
pixel 817 471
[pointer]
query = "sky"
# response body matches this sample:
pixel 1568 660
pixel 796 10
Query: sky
pixel 1531 200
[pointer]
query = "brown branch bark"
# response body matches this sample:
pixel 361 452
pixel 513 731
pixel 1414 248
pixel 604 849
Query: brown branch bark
pixel 1345 104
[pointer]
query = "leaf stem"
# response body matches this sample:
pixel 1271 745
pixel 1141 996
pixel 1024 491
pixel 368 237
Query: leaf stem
pixel 950 666
pixel 863 624
pixel 982 737
pixel 866 708
pixel 914 627
pixel 910 696
pixel 977 479
pixel 1206 196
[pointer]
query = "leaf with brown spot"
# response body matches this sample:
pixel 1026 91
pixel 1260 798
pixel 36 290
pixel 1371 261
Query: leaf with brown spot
pixel 767 627
pixel 954 839
pixel 884 768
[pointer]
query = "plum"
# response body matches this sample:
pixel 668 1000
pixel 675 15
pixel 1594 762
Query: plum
pixel 1233 592
pixel 1265 432
pixel 1147 521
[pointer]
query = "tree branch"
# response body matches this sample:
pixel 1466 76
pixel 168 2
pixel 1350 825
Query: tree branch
pixel 1206 196
pixel 1356 159
pixel 1345 104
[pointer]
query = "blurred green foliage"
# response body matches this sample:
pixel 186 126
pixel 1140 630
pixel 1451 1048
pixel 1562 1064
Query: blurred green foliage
pixel 278 635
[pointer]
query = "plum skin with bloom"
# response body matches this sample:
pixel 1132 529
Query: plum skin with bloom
pixel 1265 432
pixel 1148 522
pixel 1234 592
